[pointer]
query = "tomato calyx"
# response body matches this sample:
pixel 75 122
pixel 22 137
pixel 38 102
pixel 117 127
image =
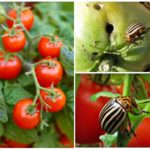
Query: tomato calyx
pixel 53 39
pixel 31 109
pixel 52 64
pixel 7 56
pixel 52 94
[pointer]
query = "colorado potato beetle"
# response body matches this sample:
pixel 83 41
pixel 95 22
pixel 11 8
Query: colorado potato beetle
pixel 115 113
pixel 135 32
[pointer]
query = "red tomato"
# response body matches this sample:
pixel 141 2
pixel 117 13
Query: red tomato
pixel 88 127
pixel 142 135
pixel 56 101
pixel 4 145
pixel 14 43
pixel 48 48
pixel 22 117
pixel 48 73
pixel 14 144
pixel 65 141
pixel 27 18
pixel 11 68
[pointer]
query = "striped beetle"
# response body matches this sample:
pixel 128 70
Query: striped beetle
pixel 115 113
pixel 135 32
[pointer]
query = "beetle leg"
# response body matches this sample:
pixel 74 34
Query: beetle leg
pixel 130 126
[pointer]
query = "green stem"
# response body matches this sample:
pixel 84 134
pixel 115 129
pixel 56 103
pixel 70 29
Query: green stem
pixel 140 91
pixel 127 84
pixel 122 137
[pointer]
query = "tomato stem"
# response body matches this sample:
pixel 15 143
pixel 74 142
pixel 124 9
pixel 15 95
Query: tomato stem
pixel 128 78
pixel 38 88
pixel 127 84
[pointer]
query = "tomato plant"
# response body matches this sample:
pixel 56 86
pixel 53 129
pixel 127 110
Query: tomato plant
pixel 14 43
pixel 27 18
pixel 46 47
pixel 54 100
pixel 88 129
pixel 49 73
pixel 10 67
pixel 33 88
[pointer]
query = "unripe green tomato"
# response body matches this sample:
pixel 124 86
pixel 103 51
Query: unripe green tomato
pixel 93 24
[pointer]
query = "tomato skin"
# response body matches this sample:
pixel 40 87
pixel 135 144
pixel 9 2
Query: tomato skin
pixel 46 75
pixel 56 106
pixel 142 135
pixel 14 43
pixel 22 118
pixel 11 68
pixel 48 48
pixel 14 144
pixel 87 125
pixel 27 18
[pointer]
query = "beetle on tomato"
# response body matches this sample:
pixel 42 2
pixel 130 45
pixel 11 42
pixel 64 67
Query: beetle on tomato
pixel 87 125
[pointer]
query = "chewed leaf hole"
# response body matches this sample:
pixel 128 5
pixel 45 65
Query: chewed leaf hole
pixel 109 28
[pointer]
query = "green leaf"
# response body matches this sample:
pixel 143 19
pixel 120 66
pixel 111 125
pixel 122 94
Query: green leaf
pixel 77 81
pixel 13 93
pixel 108 139
pixel 47 139
pixel 146 77
pixel 13 132
pixel 25 80
pixel 70 100
pixel 103 94
pixel 41 27
pixel 65 123
pixel 65 118
pixel 3 109
pixel 67 60
pixel 1 130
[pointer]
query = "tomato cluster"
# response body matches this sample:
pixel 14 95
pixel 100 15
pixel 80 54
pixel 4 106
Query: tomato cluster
pixel 48 70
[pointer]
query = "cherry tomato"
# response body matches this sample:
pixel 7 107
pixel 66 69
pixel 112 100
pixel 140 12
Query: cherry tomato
pixel 11 68
pixel 14 144
pixel 48 73
pixel 87 124
pixel 65 141
pixel 22 117
pixel 27 18
pixel 142 135
pixel 49 48
pixel 14 43
pixel 56 100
